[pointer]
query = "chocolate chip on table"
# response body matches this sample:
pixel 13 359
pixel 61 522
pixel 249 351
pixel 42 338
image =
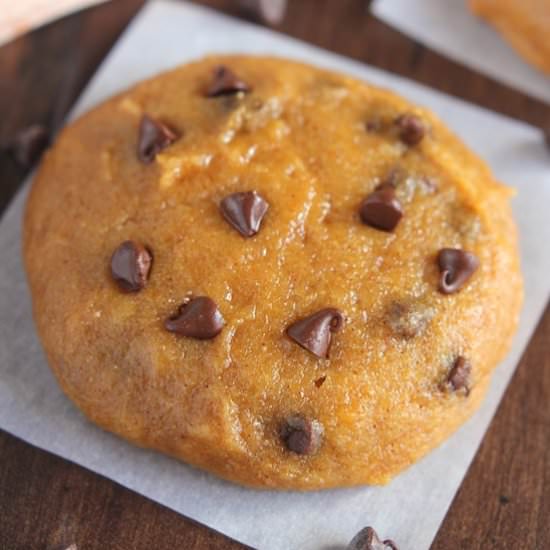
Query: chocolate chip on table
pixel 411 129
pixel 28 144
pixel 301 435
pixel 244 211
pixel 456 266
pixel 225 82
pixel 130 266
pixel 154 136
pixel 459 375
pixel 198 318
pixel 367 539
pixel 270 11
pixel 381 209
pixel 314 333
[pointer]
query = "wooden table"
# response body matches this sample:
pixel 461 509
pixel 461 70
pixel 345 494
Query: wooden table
pixel 48 503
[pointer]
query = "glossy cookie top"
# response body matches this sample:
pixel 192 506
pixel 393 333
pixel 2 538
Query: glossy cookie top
pixel 280 274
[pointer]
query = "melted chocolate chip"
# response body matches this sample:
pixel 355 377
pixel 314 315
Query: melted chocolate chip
pixel 456 266
pixel 367 539
pixel 408 319
pixel 28 144
pixel 225 82
pixel 130 266
pixel 411 129
pixel 301 435
pixel 154 136
pixel 381 209
pixel 199 318
pixel 459 375
pixel 314 333
pixel 244 211
pixel 374 125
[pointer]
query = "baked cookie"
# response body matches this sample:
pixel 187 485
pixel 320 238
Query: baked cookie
pixel 279 274
pixel 524 23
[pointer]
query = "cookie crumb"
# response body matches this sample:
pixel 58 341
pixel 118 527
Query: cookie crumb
pixel 320 381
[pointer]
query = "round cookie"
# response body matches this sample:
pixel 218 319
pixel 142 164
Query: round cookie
pixel 279 274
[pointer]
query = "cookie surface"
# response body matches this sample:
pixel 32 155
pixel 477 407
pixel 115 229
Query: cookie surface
pixel 279 274
pixel 524 23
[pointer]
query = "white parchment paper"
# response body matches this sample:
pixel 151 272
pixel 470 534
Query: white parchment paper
pixel 449 27
pixel 410 509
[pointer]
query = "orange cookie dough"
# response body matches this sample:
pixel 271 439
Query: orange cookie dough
pixel 282 275
pixel 524 23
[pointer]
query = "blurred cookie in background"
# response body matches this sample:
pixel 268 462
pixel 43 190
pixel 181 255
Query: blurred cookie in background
pixel 525 24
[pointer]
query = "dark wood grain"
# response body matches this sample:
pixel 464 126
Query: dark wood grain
pixel 48 503
pixel 504 501
pixel 42 74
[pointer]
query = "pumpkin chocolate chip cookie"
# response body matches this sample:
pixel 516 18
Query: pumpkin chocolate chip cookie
pixel 279 274
pixel 524 23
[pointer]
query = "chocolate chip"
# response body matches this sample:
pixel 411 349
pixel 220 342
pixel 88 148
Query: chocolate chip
pixel 374 125
pixel 320 381
pixel 411 129
pixel 225 82
pixel 381 209
pixel 504 499
pixel 244 211
pixel 28 144
pixel 367 539
pixel 314 333
pixel 154 136
pixel 456 266
pixel 301 435
pixel 130 266
pixel 408 319
pixel 199 318
pixel 459 376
